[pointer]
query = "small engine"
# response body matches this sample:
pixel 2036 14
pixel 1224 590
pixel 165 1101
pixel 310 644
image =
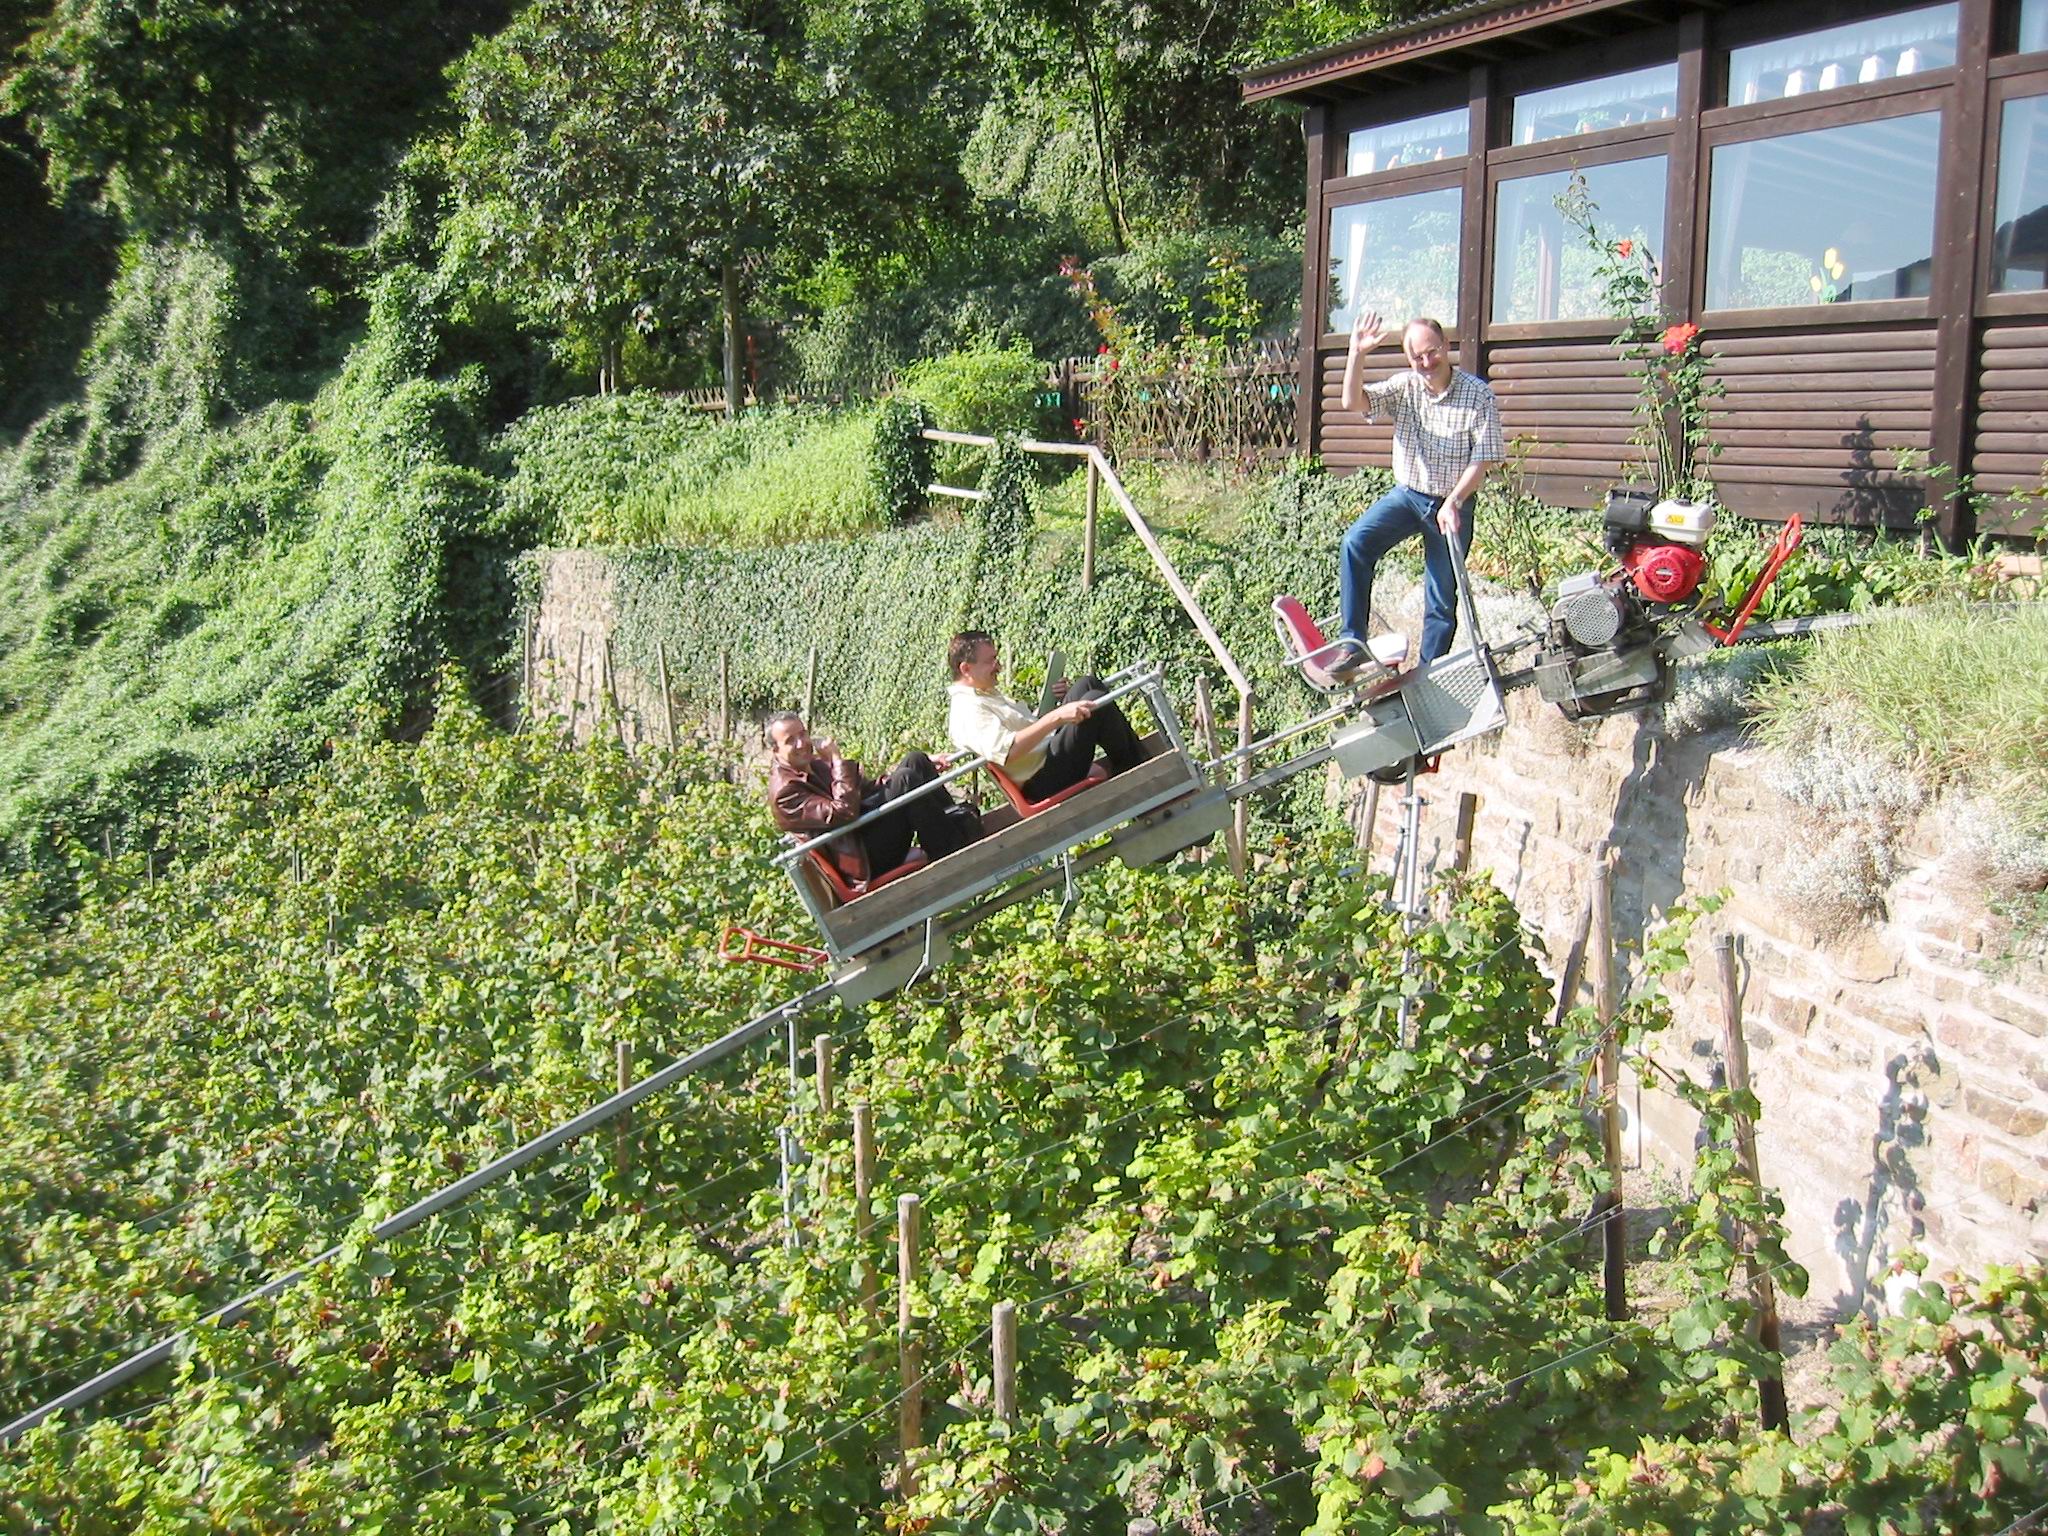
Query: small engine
pixel 1601 654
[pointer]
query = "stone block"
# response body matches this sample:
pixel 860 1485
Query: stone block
pixel 2007 1003
pixel 2015 1119
pixel 1788 1011
pixel 1866 957
pixel 2021 1189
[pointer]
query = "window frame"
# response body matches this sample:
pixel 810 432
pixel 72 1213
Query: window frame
pixel 2031 85
pixel 1503 166
pixel 1745 28
pixel 1380 111
pixel 1754 124
pixel 1444 175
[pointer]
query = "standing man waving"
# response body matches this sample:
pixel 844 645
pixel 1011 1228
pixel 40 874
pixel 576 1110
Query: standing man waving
pixel 1446 437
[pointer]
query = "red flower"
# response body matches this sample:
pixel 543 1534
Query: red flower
pixel 1080 427
pixel 1624 248
pixel 1100 350
pixel 1678 337
pixel 1112 365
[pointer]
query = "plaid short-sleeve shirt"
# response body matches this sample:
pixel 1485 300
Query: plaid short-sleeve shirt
pixel 1437 437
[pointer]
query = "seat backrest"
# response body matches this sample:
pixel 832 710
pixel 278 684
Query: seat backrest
pixel 1027 807
pixel 835 882
pixel 1300 635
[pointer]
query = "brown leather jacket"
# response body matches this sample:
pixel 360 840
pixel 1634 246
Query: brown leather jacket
pixel 828 796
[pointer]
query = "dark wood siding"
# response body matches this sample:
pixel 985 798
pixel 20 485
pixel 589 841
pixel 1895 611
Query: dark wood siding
pixel 1347 441
pixel 1568 409
pixel 2011 440
pixel 1811 421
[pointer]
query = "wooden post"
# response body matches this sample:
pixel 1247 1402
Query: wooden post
pixel 1003 1330
pixel 1205 734
pixel 622 1150
pixel 810 686
pixel 1461 839
pixel 1088 526
pixel 526 669
pixel 724 696
pixel 1240 821
pixel 668 698
pixel 1771 1388
pixel 611 695
pixel 909 1357
pixel 822 1047
pixel 863 1209
pixel 576 683
pixel 1600 967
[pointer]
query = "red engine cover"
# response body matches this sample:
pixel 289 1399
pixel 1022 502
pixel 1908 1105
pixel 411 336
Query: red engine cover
pixel 1665 573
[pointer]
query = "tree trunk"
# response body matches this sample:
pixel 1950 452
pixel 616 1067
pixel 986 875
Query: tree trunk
pixel 729 286
pixel 1105 157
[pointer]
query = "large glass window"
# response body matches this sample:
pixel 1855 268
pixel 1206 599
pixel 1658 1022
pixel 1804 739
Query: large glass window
pixel 1830 216
pixel 1413 141
pixel 2033 25
pixel 1882 48
pixel 1613 101
pixel 2019 244
pixel 1543 267
pixel 1397 255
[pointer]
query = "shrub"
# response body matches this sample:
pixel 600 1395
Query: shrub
pixel 986 390
pixel 900 459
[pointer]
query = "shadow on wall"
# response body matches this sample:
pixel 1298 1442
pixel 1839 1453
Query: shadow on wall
pixel 1894 1191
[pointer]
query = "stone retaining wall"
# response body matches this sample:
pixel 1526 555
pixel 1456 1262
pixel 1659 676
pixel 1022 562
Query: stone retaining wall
pixel 1903 1071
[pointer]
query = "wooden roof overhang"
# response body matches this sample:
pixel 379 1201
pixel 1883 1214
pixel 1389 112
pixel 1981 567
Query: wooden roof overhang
pixel 1450 40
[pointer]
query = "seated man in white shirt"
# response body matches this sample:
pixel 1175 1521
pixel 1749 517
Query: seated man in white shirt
pixel 1043 754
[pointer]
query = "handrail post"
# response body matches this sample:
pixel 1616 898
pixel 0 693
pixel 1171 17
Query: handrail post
pixel 1088 530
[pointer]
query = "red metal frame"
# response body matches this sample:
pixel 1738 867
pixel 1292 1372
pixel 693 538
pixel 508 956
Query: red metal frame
pixel 756 947
pixel 1788 540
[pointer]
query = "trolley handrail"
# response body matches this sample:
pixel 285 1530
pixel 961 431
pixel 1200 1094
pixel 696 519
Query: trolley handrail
pixel 1098 464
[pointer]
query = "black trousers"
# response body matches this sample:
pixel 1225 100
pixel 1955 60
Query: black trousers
pixel 1070 750
pixel 924 820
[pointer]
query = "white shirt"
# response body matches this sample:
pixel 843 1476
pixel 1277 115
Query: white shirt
pixel 987 724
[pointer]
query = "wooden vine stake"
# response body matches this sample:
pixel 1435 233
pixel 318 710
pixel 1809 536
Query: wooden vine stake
pixel 909 1357
pixel 1461 839
pixel 1205 719
pixel 822 1046
pixel 622 1150
pixel 725 709
pixel 1600 968
pixel 668 698
pixel 864 1212
pixel 810 686
pixel 1771 1389
pixel 1003 1333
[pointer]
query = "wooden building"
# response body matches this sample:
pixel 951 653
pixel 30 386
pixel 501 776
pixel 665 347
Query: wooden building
pixel 1850 200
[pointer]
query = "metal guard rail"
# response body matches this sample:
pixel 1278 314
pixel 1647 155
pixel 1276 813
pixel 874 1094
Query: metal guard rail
pixel 1099 467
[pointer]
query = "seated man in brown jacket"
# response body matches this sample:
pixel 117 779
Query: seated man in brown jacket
pixel 812 789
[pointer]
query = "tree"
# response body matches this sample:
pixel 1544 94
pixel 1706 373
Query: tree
pixel 270 118
pixel 612 153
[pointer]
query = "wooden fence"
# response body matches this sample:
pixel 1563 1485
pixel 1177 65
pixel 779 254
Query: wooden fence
pixel 1243 411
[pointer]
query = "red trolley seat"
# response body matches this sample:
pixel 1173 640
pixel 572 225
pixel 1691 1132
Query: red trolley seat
pixel 851 890
pixel 1097 774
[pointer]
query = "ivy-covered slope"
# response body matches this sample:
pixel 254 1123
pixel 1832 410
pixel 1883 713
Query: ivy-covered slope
pixel 188 596
pixel 1275 1270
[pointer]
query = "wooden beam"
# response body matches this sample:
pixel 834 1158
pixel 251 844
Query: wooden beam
pixel 1957 221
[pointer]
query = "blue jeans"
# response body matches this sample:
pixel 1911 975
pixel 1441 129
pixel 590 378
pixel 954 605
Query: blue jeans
pixel 1402 514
